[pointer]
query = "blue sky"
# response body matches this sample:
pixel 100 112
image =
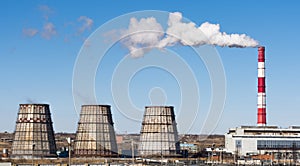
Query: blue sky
pixel 40 41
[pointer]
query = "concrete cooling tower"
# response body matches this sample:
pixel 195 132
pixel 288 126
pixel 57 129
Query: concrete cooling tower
pixel 95 134
pixel 34 136
pixel 159 136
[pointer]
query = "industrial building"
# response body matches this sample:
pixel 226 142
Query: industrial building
pixel 34 135
pixel 159 136
pixel 247 140
pixel 279 143
pixel 95 134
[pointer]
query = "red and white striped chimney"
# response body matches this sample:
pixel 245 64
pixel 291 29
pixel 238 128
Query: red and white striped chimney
pixel 261 96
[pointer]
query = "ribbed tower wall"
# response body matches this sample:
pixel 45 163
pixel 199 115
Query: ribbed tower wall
pixel 34 135
pixel 95 134
pixel 159 136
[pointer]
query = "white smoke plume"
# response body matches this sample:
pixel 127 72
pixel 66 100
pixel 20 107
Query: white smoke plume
pixel 147 33
pixel 143 35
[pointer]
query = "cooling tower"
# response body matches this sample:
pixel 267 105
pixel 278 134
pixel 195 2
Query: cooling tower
pixel 34 136
pixel 95 134
pixel 159 136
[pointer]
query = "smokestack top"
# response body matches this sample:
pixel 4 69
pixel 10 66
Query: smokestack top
pixel 159 106
pixel 261 54
pixel 37 104
pixel 96 105
pixel 261 48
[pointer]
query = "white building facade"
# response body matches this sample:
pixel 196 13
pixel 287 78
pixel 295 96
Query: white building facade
pixel 247 140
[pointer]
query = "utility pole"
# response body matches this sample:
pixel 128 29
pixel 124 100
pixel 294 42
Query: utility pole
pixel 69 149
pixel 221 156
pixel 132 151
